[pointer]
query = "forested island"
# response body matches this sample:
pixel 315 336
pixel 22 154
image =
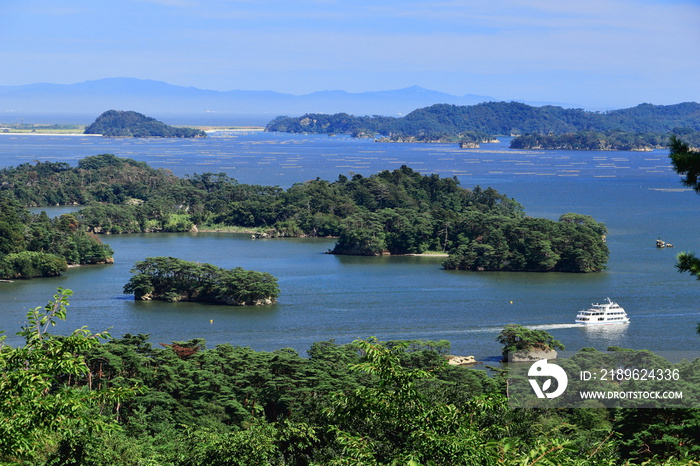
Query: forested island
pixel 608 140
pixel 171 279
pixel 394 212
pixel 130 124
pixel 73 400
pixel 640 127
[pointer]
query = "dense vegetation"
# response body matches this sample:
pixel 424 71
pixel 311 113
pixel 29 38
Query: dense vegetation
pixel 468 137
pixel 516 338
pixel 171 279
pixel 686 162
pixel 500 118
pixel 397 212
pixel 120 123
pixel 101 178
pixel 573 244
pixel 592 140
pixel 33 245
pixel 71 400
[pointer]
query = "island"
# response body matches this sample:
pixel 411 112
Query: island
pixel 644 127
pixel 390 212
pixel 130 124
pixel 521 344
pixel 172 279
pixel 595 140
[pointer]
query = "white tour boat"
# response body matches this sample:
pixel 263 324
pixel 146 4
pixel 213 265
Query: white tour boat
pixel 606 313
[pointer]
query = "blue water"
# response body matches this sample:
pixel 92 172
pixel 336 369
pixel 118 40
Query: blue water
pixel 323 296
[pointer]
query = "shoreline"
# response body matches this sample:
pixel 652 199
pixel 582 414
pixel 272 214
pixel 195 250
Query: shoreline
pixel 36 133
pixel 207 131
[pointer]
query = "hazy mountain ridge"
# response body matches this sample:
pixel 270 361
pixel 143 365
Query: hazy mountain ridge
pixel 168 101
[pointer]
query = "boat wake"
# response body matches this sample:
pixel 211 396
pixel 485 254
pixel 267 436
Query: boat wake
pixel 552 326
pixel 497 330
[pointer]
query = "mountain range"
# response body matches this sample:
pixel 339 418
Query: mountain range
pixel 82 102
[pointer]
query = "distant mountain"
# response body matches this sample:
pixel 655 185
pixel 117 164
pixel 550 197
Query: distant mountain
pixel 179 104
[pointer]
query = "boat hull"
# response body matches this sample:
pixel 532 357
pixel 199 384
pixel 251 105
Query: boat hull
pixel 608 313
pixel 591 324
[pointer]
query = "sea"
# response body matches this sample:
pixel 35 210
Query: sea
pixel 327 297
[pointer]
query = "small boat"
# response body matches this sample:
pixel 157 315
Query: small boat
pixel 600 314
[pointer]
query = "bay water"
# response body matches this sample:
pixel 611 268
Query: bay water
pixel 636 194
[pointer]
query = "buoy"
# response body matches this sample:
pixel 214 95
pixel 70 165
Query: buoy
pixel 511 302
pixel 211 321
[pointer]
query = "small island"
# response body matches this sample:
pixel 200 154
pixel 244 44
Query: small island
pixel 171 279
pixel 521 344
pixel 592 140
pixel 130 124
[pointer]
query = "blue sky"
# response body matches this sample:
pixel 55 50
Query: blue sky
pixel 592 53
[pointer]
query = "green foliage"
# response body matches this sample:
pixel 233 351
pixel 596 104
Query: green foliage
pixel 119 123
pixel 99 178
pixel 36 246
pixel 592 140
pixel 393 421
pixel 252 446
pixel 518 338
pixel 688 262
pixel 70 400
pixel 442 121
pixel 685 161
pixel 651 434
pixel 31 264
pixel 41 403
pixel 488 242
pixel 397 212
pixel 173 279
pixel 12 219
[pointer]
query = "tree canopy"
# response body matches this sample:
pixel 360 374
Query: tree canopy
pixel 34 245
pixel 73 400
pixel 440 121
pixel 593 140
pixel 171 279
pixel 686 161
pixel 45 394
pixel 120 123
pixel 518 338
pixel 396 212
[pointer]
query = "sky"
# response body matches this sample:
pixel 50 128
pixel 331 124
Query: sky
pixel 595 54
